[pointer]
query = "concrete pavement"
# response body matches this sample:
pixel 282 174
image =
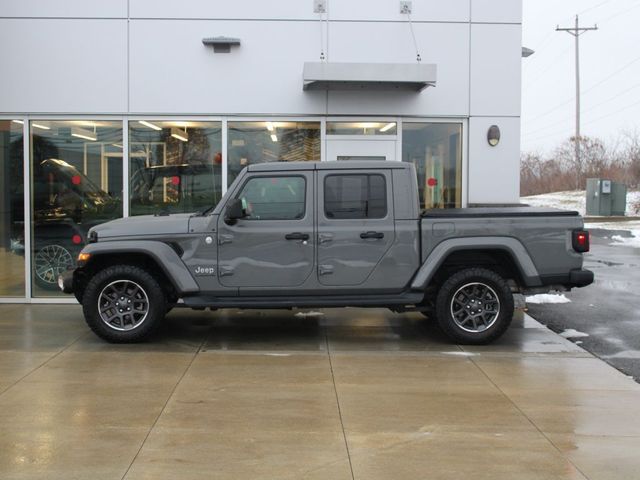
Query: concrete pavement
pixel 347 394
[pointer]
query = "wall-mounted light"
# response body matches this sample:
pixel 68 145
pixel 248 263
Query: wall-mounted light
pixel 181 135
pixel 84 133
pixel 150 125
pixel 388 126
pixel 493 135
pixel 221 44
pixel 274 137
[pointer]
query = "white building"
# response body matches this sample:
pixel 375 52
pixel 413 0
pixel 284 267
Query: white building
pixel 121 107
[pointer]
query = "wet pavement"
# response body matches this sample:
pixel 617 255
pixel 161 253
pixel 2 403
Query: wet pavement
pixel 340 394
pixel 608 310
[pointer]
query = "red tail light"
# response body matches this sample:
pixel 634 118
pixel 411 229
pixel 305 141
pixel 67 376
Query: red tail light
pixel 580 241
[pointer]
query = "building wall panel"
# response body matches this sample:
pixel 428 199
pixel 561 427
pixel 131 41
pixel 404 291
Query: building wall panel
pixel 63 66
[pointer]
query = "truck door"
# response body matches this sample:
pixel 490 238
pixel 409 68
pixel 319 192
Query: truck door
pixel 273 245
pixel 355 224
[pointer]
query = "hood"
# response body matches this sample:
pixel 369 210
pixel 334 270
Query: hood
pixel 144 225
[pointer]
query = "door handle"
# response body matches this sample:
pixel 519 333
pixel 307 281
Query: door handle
pixel 372 235
pixel 297 236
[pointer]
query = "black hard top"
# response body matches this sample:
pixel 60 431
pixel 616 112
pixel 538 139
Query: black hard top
pixel 330 165
pixel 497 212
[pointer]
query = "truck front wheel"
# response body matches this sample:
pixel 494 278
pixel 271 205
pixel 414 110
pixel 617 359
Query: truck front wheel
pixel 123 304
pixel 474 306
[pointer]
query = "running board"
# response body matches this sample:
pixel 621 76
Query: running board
pixel 200 301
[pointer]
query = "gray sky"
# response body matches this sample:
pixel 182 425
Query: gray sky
pixel 609 68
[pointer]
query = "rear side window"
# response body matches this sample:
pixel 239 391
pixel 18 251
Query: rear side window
pixel 274 198
pixel 352 196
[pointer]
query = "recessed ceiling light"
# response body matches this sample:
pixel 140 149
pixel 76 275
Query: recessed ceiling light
pixel 388 126
pixel 274 137
pixel 41 125
pixel 270 126
pixel 20 122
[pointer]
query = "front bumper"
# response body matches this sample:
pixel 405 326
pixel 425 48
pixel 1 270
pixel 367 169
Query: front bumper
pixel 580 278
pixel 65 281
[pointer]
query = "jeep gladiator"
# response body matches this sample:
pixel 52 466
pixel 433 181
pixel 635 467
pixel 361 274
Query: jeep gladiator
pixel 327 234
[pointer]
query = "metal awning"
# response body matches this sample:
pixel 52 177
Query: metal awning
pixel 368 76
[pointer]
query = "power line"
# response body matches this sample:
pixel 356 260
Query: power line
pixel 620 13
pixel 613 113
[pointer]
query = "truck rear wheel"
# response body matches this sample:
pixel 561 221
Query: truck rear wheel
pixel 474 306
pixel 124 304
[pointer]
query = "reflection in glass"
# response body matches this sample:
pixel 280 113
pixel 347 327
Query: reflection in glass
pixel 11 209
pixel 436 151
pixel 176 167
pixel 260 142
pixel 362 128
pixel 76 174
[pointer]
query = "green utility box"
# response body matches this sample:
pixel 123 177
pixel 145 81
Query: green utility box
pixel 606 198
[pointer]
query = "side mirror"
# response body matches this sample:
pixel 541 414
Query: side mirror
pixel 234 211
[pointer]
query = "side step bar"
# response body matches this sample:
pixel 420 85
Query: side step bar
pixel 203 301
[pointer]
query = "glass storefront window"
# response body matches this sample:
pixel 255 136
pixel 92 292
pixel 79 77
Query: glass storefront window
pixel 436 151
pixel 362 128
pixel 11 209
pixel 76 175
pixel 260 142
pixel 176 167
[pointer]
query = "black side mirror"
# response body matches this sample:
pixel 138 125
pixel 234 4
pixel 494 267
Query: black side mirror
pixel 234 211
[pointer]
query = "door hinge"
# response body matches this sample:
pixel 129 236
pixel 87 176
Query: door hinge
pixel 325 238
pixel 225 271
pixel 222 239
pixel 325 269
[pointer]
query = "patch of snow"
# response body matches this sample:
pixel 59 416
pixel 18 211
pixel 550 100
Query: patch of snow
pixel 548 298
pixel 460 353
pixel 625 354
pixel 573 200
pixel 571 333
pixel 633 241
pixel 277 354
pixel 578 342
pixel 309 314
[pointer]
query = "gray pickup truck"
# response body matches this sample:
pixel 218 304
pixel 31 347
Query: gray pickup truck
pixel 327 234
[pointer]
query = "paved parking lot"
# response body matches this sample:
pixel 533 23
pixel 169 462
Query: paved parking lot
pixel 345 394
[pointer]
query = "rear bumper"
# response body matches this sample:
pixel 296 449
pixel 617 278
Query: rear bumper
pixel 580 278
pixel 65 281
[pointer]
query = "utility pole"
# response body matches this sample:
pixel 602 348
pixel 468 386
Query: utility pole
pixel 576 31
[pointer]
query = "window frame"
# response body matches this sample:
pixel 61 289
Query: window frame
pixel 353 174
pixel 253 177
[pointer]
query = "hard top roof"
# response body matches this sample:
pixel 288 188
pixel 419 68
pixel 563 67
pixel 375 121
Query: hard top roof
pixel 330 165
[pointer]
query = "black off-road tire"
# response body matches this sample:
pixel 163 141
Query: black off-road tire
pixel 481 276
pixel 157 303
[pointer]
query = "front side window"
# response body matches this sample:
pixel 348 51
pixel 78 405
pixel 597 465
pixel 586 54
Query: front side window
pixel 274 198
pixel 355 196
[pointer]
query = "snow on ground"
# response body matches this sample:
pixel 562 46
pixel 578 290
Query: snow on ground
pixel 575 200
pixel 548 298
pixel 633 241
pixel 571 333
